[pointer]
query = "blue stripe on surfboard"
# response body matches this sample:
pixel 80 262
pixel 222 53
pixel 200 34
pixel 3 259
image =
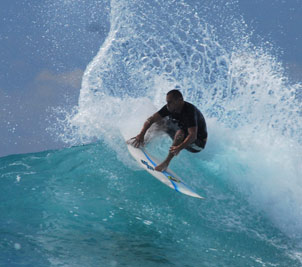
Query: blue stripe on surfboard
pixel 164 172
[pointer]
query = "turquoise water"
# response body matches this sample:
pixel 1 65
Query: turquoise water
pixel 82 206
pixel 89 204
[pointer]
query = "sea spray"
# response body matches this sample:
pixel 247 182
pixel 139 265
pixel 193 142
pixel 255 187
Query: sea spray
pixel 152 48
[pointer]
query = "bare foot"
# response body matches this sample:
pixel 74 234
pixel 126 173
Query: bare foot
pixel 162 167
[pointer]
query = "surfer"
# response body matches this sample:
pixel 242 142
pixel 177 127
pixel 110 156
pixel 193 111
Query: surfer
pixel 185 124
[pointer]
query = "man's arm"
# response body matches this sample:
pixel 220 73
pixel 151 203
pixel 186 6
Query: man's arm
pixel 192 136
pixel 139 139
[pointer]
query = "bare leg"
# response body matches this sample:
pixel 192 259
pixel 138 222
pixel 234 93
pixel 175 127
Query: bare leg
pixel 178 138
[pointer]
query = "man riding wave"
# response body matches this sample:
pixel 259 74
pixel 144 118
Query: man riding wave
pixel 185 125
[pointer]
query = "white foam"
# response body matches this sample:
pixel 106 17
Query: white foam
pixel 244 91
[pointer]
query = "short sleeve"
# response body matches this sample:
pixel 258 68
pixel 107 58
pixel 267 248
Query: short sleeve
pixel 163 112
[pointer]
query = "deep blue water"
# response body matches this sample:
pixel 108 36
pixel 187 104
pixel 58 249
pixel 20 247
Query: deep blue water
pixel 82 206
pixel 90 205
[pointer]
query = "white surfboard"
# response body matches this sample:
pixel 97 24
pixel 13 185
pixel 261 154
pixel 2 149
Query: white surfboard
pixel 167 177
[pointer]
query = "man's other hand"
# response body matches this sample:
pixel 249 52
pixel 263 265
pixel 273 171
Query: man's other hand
pixel 136 141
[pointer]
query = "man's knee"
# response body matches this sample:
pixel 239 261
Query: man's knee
pixel 179 136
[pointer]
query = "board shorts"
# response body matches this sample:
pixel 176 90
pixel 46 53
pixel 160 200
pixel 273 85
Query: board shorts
pixel 171 129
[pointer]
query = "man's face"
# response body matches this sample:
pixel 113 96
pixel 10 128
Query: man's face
pixel 173 104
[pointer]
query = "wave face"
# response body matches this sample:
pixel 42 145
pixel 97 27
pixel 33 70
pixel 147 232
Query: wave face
pixel 91 205
pixel 81 206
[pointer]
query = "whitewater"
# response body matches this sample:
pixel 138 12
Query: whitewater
pixel 89 204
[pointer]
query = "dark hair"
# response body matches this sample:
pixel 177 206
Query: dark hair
pixel 175 93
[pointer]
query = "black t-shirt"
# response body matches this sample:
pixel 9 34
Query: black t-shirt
pixel 189 117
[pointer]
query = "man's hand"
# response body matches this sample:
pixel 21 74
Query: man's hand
pixel 175 150
pixel 139 139
pixel 136 141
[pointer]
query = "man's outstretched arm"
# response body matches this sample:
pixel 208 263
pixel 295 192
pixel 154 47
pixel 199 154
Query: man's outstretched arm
pixel 139 139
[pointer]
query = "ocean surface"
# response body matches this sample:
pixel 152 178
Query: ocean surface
pixel 89 204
